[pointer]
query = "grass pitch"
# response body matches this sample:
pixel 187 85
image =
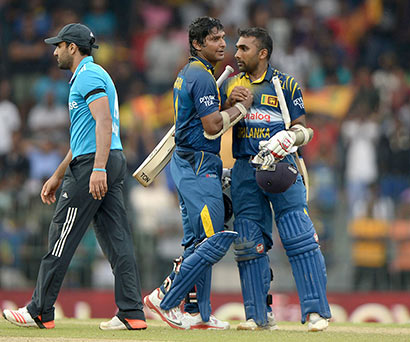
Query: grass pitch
pixel 74 330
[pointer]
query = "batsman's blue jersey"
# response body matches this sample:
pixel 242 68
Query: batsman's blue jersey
pixel 89 83
pixel 195 96
pixel 264 118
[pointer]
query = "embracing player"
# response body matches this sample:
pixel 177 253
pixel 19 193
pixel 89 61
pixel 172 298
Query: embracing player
pixel 263 133
pixel 197 169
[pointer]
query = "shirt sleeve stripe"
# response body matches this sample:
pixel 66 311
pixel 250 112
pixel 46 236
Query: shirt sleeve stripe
pixel 93 92
pixel 294 88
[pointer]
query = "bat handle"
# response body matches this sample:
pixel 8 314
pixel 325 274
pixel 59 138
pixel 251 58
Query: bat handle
pixel 228 70
pixel 282 102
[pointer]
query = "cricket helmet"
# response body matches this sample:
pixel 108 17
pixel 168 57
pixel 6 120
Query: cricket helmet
pixel 276 178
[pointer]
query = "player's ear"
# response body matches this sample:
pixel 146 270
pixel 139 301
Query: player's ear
pixel 263 53
pixel 196 45
pixel 72 48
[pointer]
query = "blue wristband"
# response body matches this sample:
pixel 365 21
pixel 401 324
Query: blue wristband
pixel 97 169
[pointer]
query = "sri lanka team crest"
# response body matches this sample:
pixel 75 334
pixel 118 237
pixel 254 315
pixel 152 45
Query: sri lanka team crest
pixel 269 100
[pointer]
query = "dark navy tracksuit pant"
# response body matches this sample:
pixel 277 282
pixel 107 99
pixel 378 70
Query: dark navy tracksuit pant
pixel 75 210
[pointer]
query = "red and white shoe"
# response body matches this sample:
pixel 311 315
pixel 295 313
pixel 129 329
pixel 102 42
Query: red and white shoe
pixel 173 317
pixel 117 323
pixel 214 323
pixel 22 318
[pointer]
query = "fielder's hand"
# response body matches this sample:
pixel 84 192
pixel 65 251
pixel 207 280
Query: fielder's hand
pixel 98 184
pixel 279 145
pixel 48 192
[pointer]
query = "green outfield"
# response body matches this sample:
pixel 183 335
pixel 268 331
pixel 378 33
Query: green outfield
pixel 87 330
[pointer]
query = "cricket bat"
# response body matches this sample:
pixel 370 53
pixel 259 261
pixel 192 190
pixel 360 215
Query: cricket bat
pixel 300 163
pixel 162 153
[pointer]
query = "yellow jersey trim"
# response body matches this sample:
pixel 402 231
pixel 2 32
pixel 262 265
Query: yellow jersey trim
pixel 207 222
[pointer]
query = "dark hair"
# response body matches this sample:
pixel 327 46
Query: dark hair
pixel 199 29
pixel 83 50
pixel 263 37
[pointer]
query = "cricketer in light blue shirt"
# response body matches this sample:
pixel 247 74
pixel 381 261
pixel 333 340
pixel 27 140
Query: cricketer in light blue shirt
pixel 89 83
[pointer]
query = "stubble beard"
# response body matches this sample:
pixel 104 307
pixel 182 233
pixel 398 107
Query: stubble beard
pixel 65 64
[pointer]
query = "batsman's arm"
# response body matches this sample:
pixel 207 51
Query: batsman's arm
pixel 303 134
pixel 217 123
pixel 161 155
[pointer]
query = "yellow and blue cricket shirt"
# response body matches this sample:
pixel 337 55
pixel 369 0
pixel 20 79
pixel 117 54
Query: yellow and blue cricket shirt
pixel 264 118
pixel 195 96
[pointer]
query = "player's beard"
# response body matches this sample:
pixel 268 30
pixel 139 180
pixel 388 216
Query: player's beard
pixel 65 62
pixel 248 66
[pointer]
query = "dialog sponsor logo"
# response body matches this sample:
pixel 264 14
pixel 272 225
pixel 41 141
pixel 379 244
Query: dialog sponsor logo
pixel 257 117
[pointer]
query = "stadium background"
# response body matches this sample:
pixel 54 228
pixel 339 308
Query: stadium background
pixel 351 59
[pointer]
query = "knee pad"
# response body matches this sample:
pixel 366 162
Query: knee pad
pixel 193 268
pixel 300 241
pixel 254 270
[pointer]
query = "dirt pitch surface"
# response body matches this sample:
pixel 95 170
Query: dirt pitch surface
pixel 73 330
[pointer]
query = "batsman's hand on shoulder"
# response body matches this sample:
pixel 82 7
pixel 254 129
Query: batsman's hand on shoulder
pixel 277 147
pixel 48 191
pixel 98 184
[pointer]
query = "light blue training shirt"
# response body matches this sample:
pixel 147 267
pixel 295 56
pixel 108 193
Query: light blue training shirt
pixel 89 83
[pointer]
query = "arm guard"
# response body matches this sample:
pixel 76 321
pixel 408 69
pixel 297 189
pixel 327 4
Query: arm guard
pixel 227 123
pixel 302 134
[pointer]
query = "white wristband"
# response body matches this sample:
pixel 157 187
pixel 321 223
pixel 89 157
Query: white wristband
pixel 241 108
pixel 226 120
pixel 303 134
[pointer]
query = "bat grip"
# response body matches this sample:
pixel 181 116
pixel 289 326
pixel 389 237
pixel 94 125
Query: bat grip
pixel 228 70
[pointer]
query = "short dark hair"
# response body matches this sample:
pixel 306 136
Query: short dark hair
pixel 84 50
pixel 263 37
pixel 199 29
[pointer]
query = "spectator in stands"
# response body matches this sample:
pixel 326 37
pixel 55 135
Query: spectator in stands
pixel 360 134
pixel 52 82
pixel 161 67
pixel 44 158
pixel 27 55
pixel 9 118
pixel 49 118
pixel 100 19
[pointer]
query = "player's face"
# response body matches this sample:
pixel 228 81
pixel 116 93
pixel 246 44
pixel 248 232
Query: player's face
pixel 64 58
pixel 247 54
pixel 213 48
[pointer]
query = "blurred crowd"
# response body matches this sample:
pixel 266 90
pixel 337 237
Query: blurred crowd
pixel 351 59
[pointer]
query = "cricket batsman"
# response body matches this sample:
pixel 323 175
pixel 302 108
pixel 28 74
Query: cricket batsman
pixel 263 133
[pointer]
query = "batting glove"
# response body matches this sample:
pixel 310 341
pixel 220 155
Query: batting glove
pixel 279 145
pixel 264 157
